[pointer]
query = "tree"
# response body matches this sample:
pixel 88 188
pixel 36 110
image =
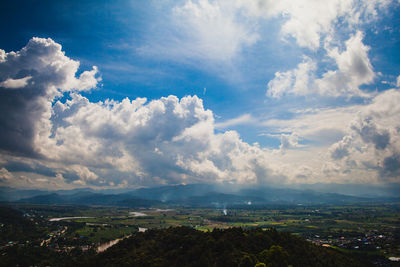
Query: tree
pixel 246 261
pixel 276 256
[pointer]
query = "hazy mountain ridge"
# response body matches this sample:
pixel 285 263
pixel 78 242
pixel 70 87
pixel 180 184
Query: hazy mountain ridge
pixel 190 195
pixel 90 198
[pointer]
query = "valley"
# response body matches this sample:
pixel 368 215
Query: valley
pixel 367 231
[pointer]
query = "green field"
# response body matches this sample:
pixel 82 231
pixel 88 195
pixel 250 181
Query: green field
pixel 365 229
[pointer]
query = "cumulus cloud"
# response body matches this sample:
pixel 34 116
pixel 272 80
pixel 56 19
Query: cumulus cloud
pixel 391 166
pixel 358 143
pixel 5 175
pixel 289 141
pixel 296 81
pixel 128 142
pixel 353 70
pixel 165 141
pixel 315 25
pixel 366 129
pixel 71 141
pixel 37 74
pixel 340 149
pixel 373 139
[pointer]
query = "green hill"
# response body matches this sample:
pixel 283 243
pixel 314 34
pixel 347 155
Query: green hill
pixel 182 246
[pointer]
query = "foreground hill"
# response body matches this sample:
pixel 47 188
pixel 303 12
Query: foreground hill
pixel 184 246
pixel 15 226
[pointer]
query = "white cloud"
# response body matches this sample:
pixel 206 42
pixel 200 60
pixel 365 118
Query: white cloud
pixel 218 35
pixel 211 29
pixel 5 175
pixel 171 140
pixel 166 141
pixel 204 30
pixel 372 142
pixel 321 126
pixel 242 119
pixel 398 81
pixel 353 70
pixel 309 21
pixel 15 83
pixel 127 143
pixel 303 20
pixel 355 144
pixel 289 141
pixel 219 30
pixel 296 81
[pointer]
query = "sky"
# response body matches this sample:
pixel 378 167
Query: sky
pixel 129 94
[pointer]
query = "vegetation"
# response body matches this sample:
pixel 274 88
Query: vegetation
pixel 331 235
pixel 183 246
pixel 17 226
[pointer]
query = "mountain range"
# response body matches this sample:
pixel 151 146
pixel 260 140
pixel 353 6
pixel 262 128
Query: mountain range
pixel 197 195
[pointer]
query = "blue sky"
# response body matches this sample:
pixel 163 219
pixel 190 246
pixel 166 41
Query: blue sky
pixel 286 92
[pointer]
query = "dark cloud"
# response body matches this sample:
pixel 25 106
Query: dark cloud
pixel 339 153
pixel 341 148
pixel 19 166
pixel 370 134
pixel 391 165
pixel 19 112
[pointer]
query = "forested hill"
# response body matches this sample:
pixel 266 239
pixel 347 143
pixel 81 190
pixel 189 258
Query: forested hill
pixel 184 246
